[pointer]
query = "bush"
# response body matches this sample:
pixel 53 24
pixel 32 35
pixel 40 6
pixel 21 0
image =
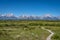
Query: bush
pixel 55 36
pixel 34 24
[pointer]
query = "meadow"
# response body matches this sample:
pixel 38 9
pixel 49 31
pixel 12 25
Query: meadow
pixel 28 29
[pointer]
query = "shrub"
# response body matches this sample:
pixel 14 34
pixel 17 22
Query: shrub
pixel 55 36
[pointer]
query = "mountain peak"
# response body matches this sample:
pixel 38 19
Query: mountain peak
pixel 47 15
pixel 9 15
pixel 44 17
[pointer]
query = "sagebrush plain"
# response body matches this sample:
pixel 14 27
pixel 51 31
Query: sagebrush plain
pixel 28 29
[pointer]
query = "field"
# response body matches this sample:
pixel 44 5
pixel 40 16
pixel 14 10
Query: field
pixel 28 30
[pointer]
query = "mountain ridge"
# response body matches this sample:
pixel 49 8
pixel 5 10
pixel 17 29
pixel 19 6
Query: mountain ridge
pixel 13 17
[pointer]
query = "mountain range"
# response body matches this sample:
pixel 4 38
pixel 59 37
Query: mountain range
pixel 24 17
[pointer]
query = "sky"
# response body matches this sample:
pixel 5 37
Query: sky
pixel 30 7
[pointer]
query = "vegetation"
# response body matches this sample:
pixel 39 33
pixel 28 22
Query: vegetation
pixel 56 30
pixel 28 29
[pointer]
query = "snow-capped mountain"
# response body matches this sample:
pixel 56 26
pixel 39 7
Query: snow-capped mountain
pixel 49 17
pixel 24 17
pixel 8 17
pixel 58 17
pixel 44 17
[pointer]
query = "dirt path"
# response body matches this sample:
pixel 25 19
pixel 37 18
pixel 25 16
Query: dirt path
pixel 49 37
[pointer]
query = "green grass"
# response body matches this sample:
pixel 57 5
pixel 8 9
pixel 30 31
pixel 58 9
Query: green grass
pixel 56 30
pixel 28 30
pixel 22 34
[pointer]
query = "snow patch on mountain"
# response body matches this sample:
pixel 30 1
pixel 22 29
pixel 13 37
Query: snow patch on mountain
pixel 47 15
pixel 9 15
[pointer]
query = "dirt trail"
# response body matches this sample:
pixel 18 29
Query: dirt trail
pixel 52 33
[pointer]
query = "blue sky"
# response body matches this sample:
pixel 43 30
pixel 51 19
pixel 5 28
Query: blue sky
pixel 30 7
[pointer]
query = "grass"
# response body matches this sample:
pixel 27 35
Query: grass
pixel 28 30
pixel 56 30
pixel 22 34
